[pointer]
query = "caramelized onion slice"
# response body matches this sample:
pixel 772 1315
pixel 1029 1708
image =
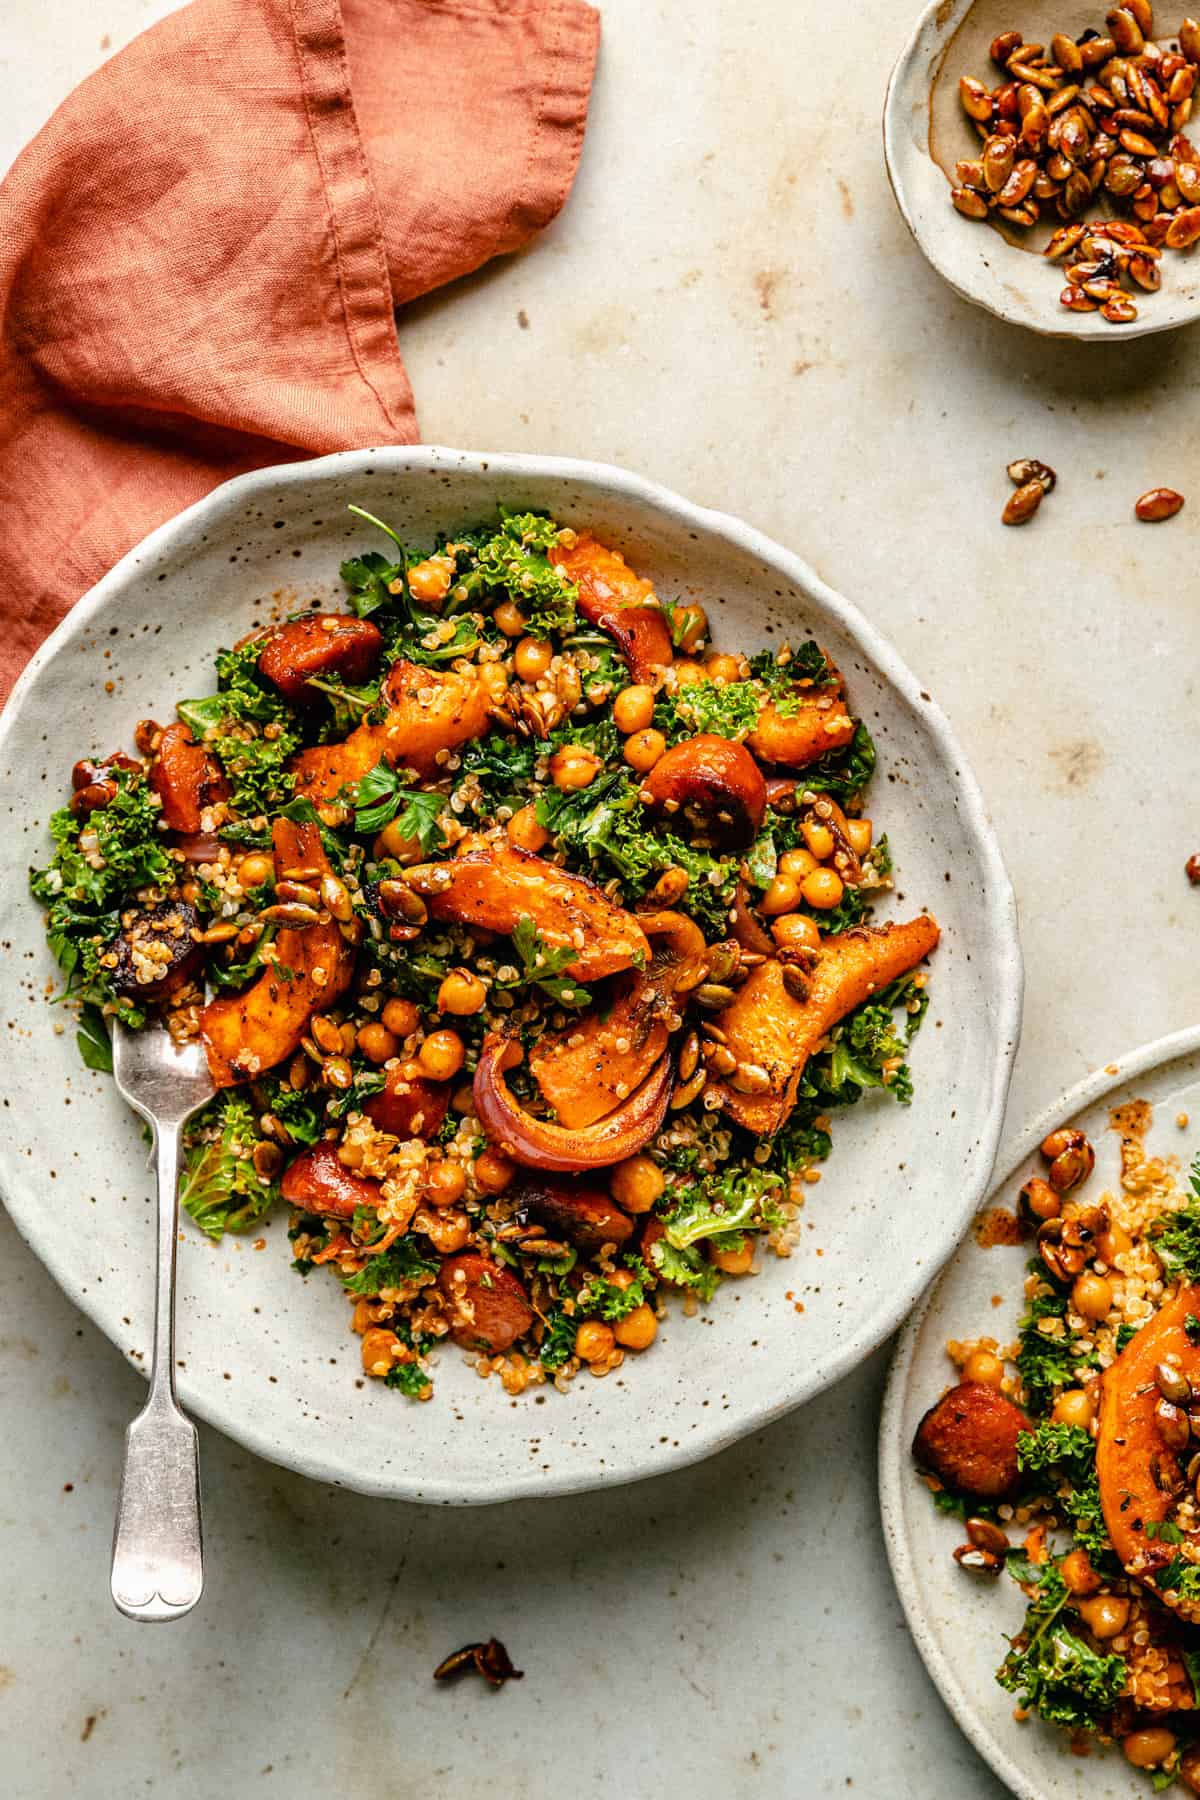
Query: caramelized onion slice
pixel 540 1144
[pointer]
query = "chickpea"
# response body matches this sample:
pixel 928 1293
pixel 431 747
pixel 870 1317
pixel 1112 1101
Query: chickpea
pixel 797 863
pixel 445 1182
pixel 823 889
pixel 448 1232
pixel 985 1366
pixel 643 750
pixel 441 1056
pixel 402 1017
pixel 573 767
pixel 379 1351
pixel 732 1262
pixel 1091 1296
pixel 638 1329
pixel 1189 1769
pixel 594 1341
pixel 461 993
pixel 723 668
pixel 493 677
pixel 532 657
pixel 430 580
pixel 1150 1748
pixel 859 833
pixel 687 673
pixel 633 708
pixel 1074 1406
pixel 1038 1201
pixel 510 619
pixel 391 841
pixel 636 1184
pixel 1078 1573
pixel 493 1172
pixel 781 896
pixel 796 931
pixel 691 628
pixel 819 839
pixel 377 1043
pixel 1106 1615
pixel 255 870
pixel 525 832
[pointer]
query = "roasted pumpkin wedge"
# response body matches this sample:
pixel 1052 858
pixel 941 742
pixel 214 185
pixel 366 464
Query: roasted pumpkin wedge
pixel 321 644
pixel 768 1028
pixel 594 1063
pixel 719 780
pixel 620 603
pixel 818 725
pixel 246 1033
pixel 187 779
pixel 428 710
pixel 496 885
pixel 319 1182
pixel 1142 1477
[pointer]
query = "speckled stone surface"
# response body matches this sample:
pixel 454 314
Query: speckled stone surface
pixel 732 304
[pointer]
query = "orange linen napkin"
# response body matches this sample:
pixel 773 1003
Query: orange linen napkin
pixel 201 253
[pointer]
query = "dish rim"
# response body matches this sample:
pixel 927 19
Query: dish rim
pixel 999 913
pixel 894 1462
pixel 1076 328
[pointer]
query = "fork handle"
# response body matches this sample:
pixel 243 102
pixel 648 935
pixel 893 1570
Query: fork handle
pixel 157 1560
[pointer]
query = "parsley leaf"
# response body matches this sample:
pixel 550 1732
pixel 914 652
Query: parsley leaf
pixel 542 966
pixel 92 1040
pixel 379 798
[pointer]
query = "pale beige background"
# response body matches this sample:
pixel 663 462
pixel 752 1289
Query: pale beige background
pixel 731 304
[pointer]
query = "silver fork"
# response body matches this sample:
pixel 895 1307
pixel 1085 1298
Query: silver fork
pixel 157 1558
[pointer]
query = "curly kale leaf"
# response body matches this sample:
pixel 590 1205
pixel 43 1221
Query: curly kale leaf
pixel 844 773
pixel 1176 1237
pixel 1052 1671
pixel 1064 1456
pixel 728 709
pixel 605 1299
pixel 807 665
pixel 502 765
pixel 244 696
pixel 221 1189
pixel 723 1207
pixel 1048 1363
pixel 514 563
pixel 404 1262
pixel 259 780
pixel 869 1046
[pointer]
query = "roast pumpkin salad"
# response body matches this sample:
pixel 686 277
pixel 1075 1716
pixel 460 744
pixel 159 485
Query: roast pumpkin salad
pixel 528 939
pixel 1073 1453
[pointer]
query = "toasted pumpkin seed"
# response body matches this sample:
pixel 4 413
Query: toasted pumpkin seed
pixel 1158 504
pixel 986 1535
pixel 1003 45
pixel 291 913
pixel 1023 504
pixel 1028 468
pixel 713 996
pixel 750 1078
pixel 976 100
pixel 970 204
pixel 299 891
pixel 1172 1383
pixel 398 901
pixel 689 1056
pixel 336 896
pixel 689 1091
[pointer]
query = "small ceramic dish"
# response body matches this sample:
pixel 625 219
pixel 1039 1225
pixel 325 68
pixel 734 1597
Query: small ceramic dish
pixel 268 1357
pixel 925 131
pixel 960 1625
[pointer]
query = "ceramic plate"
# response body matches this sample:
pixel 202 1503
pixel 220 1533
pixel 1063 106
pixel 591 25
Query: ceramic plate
pixel 925 131
pixel 268 1357
pixel 960 1625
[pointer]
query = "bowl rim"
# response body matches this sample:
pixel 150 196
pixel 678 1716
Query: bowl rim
pixel 998 912
pixel 894 1463
pixel 1077 328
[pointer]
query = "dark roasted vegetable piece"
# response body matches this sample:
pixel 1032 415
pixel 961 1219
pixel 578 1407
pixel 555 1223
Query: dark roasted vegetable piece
pixel 969 1441
pixel 487 1306
pixel 187 778
pixel 720 780
pixel 620 603
pixel 328 644
pixel 169 924
pixel 409 1106
pixel 317 1181
pixel 586 1216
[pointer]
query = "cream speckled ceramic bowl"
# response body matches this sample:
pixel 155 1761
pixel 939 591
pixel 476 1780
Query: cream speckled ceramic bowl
pixel 925 131
pixel 268 1357
pixel 959 1624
